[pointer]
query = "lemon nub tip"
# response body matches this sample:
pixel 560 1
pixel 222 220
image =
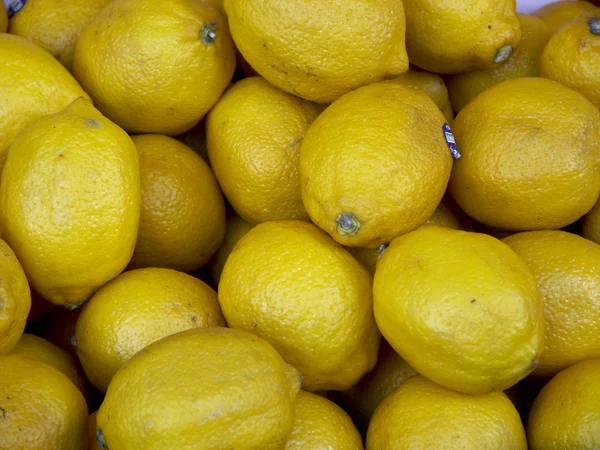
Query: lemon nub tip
pixel 594 26
pixel 101 440
pixel 503 53
pixel 381 250
pixel 348 224
pixel 208 34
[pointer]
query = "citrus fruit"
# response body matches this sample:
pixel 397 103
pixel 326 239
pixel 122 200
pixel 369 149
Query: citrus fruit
pixel 253 136
pixel 155 69
pixel 73 220
pixel 320 50
pixel 375 164
pixel 461 308
pixel 558 13
pixel 201 389
pixel 236 228
pixel 511 175
pixel 292 285
pixel 182 215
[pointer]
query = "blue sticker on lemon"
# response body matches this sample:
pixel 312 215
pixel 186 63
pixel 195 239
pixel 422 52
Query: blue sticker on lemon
pixel 450 141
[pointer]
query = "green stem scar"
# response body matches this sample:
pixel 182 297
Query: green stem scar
pixel 503 53
pixel 594 26
pixel 101 440
pixel 348 224
pixel 381 250
pixel 207 33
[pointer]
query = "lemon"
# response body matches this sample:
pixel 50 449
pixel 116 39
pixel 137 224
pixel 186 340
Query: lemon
pixel 182 216
pixel 201 389
pixel 560 12
pixel 511 175
pixel 389 373
pixel 135 309
pixel 33 85
pixel 292 285
pixel 38 349
pixel 524 62
pixel 320 424
pixel 155 69
pixel 73 222
pixel 41 409
pixel 430 84
pixel 567 269
pixel 236 228
pixel 375 164
pixel 320 50
pixel 566 413
pixel 55 25
pixel 461 308
pixel 15 299
pixel 253 136
pixel 590 225
pixel 423 415
pixel 447 36
pixel 573 53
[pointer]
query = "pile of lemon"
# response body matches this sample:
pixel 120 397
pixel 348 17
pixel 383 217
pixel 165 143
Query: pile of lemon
pixel 257 225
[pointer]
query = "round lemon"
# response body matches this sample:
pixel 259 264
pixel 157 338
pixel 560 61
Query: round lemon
pixel 201 389
pixel 135 309
pixel 152 68
pixel 573 54
pixel 524 143
pixel 15 299
pixel 462 308
pixel 34 84
pixel 447 36
pixel 292 285
pixel 236 228
pixel 423 415
pixel 253 136
pixel 320 50
pixel 182 215
pixel 55 25
pixel 566 413
pixel 375 164
pixel 560 12
pixel 524 62
pixel 70 202
pixel 590 225
pixel 321 424
pixel 40 409
pixel 567 270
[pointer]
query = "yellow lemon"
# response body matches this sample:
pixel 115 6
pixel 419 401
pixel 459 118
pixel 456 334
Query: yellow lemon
pixel 135 309
pixel 422 415
pixel 55 25
pixel 152 68
pixel 236 228
pixel 560 12
pixel 375 164
pixel 320 424
pixel 567 269
pixel 292 285
pixel 320 50
pixel 15 299
pixel 40 408
pixel 462 308
pixel 430 84
pixel 566 414
pixel 70 202
pixel 573 54
pixel 524 62
pixel 524 143
pixel 253 135
pixel 201 389
pixel 182 216
pixel 448 36
pixel 389 373
pixel 33 85
pixel 590 225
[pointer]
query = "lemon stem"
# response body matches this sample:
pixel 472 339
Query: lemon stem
pixel 503 53
pixel 348 224
pixel 594 25
pixel 207 33
pixel 381 250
